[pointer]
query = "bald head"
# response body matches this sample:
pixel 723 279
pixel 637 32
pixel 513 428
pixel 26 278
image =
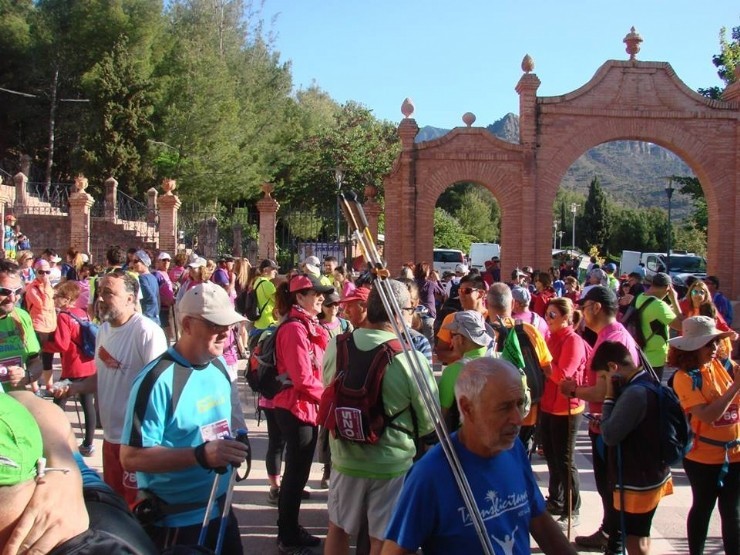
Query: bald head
pixel 499 300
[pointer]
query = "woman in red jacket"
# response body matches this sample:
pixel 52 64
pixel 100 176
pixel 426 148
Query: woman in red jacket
pixel 299 350
pixel 560 416
pixel 66 341
pixel 39 300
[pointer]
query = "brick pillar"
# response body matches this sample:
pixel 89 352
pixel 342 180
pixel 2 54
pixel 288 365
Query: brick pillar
pixel 168 205
pixel 21 193
pixel 527 90
pixel 268 208
pixel 238 234
pixel 111 199
pixel 79 216
pixel 208 240
pixel 400 194
pixel 151 204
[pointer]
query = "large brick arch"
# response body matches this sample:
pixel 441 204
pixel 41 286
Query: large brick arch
pixel 632 100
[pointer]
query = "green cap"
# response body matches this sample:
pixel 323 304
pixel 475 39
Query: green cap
pixel 20 442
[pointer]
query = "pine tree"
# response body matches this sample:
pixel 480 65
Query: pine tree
pixel 595 222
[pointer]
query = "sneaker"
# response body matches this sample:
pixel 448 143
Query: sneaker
pixel 274 495
pixel 305 539
pixel 553 508
pixel 87 450
pixel 596 541
pixel 324 483
pixel 563 521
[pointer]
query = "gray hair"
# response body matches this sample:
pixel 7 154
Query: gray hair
pixel 499 297
pixel 376 311
pixel 474 376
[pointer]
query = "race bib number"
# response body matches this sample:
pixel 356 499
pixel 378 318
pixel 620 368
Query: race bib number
pixel 214 431
pixel 729 418
pixel 349 423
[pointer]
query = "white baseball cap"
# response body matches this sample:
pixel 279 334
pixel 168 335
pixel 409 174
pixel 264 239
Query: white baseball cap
pixel 210 302
pixel 164 256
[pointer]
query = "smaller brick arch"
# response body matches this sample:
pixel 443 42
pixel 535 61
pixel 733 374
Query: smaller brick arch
pixel 631 100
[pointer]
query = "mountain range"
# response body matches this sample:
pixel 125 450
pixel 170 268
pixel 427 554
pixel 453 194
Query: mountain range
pixel 630 172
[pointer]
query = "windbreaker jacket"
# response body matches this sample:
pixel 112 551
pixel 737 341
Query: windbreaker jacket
pixel 569 355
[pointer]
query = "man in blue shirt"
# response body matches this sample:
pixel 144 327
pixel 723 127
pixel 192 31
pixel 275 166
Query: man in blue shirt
pixel 177 422
pixel 491 399
pixel 723 304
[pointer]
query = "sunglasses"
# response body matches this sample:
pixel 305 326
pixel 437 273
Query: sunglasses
pixel 552 314
pixel 698 292
pixel 330 305
pixel 468 290
pixel 5 292
pixel 43 272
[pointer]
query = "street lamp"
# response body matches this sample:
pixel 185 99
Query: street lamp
pixel 669 193
pixel 573 209
pixel 554 235
pixel 560 239
pixel 339 179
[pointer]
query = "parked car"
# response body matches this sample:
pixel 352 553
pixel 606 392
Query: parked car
pixel 445 260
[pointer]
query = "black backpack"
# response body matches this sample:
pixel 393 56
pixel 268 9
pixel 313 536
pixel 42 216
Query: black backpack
pixel 532 368
pixel 261 372
pixel 248 305
pixel 632 321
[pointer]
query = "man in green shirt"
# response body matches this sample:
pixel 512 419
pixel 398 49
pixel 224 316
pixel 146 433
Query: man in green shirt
pixel 470 340
pixel 265 290
pixel 656 316
pixel 18 341
pixel 367 478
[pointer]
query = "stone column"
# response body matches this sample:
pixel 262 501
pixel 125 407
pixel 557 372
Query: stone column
pixel 372 210
pixel 151 204
pixel 111 199
pixel 268 208
pixel 208 240
pixel 168 205
pixel 527 90
pixel 21 193
pixel 79 216
pixel 236 249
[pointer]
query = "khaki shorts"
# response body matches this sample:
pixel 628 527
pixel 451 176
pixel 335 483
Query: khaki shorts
pixel 351 499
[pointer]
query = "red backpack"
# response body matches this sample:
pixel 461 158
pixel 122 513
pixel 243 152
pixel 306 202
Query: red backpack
pixel 351 406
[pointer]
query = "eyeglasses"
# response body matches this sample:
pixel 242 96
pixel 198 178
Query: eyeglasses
pixel 552 314
pixel 43 272
pixel 698 292
pixel 468 290
pixel 213 328
pixel 5 292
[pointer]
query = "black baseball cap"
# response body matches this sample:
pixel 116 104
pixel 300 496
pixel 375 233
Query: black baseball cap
pixel 600 294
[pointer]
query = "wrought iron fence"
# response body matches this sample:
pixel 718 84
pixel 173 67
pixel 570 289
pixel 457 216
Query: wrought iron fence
pixel 52 198
pixel 311 233
pixel 193 221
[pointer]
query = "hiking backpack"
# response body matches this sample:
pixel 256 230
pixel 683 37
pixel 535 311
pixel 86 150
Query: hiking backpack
pixel 351 406
pixel 632 321
pixel 261 372
pixel 248 305
pixel 88 336
pixel 532 368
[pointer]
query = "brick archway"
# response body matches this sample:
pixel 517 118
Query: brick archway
pixel 630 100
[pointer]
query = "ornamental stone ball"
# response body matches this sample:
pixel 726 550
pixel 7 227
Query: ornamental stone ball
pixel 468 118
pixel 632 40
pixel 527 64
pixel 407 108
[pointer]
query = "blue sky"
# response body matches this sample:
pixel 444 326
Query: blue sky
pixel 451 56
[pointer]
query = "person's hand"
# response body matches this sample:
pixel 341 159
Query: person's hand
pixel 568 387
pixel 55 514
pixel 221 453
pixel 626 299
pixel 16 376
pixel 64 391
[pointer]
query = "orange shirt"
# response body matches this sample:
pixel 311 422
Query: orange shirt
pixel 715 382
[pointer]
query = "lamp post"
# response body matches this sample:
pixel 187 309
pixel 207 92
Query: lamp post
pixel 560 239
pixel 554 235
pixel 573 209
pixel 339 179
pixel 669 193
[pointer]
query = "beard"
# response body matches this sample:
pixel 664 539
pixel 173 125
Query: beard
pixel 108 313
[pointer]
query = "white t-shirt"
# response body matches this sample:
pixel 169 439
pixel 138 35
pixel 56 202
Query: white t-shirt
pixel 120 354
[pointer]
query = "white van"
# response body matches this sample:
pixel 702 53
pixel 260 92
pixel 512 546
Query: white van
pixel 480 252
pixel 445 260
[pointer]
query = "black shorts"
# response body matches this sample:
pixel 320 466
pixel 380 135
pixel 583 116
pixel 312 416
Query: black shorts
pixel 635 524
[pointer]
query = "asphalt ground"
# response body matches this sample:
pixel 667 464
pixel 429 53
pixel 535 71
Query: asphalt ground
pixel 257 518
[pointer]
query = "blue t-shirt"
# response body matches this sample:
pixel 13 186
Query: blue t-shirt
pixel 149 296
pixel 175 404
pixel 430 512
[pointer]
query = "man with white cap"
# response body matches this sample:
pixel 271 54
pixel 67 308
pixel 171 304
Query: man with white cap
pixel 470 340
pixel 177 428
pixel 312 266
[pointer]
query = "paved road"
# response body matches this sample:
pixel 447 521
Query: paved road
pixel 258 519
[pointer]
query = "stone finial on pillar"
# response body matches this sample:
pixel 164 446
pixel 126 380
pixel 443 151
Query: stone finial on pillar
pixel 80 204
pixel 372 210
pixel 407 129
pixel 168 205
pixel 632 40
pixel 151 205
pixel 268 207
pixel 527 90
pixel 468 119
pixel 111 199
pixel 21 193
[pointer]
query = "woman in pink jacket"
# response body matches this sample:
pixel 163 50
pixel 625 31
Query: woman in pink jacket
pixel 299 349
pixel 39 300
pixel 560 416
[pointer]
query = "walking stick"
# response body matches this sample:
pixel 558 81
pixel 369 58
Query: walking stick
pixel 569 482
pixel 355 216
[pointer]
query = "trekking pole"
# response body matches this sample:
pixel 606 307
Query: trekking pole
pixel 209 508
pixel 356 218
pixel 241 435
pixel 569 486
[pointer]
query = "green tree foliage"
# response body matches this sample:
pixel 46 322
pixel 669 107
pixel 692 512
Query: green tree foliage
pixel 476 211
pixel 725 62
pixel 448 233
pixel 561 210
pixel 595 221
